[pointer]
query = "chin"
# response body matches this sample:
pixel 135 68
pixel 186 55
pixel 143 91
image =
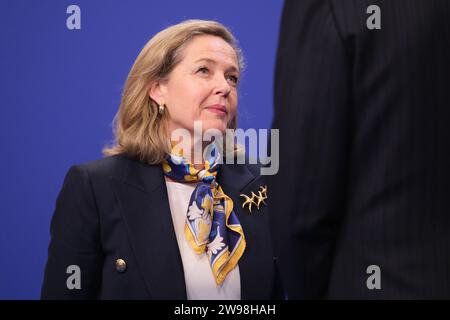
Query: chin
pixel 218 124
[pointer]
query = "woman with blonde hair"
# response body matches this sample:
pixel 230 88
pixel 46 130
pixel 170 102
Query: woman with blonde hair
pixel 149 222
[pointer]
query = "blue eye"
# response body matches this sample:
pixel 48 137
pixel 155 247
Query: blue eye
pixel 202 69
pixel 233 78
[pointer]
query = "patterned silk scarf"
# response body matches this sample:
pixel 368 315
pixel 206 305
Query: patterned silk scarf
pixel 211 224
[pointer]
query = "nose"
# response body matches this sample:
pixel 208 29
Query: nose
pixel 222 86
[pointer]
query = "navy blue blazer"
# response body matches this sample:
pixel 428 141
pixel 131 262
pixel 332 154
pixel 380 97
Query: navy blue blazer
pixel 118 208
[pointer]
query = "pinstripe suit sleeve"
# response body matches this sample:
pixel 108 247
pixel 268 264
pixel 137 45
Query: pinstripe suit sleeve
pixel 312 111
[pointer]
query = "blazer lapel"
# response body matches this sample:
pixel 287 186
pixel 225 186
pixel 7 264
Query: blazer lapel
pixel 144 204
pixel 256 266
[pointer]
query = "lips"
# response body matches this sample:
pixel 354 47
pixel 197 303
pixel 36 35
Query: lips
pixel 217 108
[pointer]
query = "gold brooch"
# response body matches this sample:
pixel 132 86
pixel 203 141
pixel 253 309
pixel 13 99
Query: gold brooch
pixel 260 197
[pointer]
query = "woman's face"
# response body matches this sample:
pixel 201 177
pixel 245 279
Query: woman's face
pixel 202 87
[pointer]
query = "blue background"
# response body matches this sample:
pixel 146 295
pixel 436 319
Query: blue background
pixel 60 90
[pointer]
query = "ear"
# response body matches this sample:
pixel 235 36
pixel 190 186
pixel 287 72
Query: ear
pixel 156 92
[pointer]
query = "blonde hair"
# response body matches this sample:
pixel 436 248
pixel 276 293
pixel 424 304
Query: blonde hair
pixel 139 130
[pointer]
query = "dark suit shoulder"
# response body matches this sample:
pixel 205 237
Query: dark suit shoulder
pixel 108 166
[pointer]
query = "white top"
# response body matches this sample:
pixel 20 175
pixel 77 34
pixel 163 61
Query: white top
pixel 198 276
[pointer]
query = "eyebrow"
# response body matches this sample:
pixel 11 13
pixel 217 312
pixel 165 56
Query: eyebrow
pixel 231 68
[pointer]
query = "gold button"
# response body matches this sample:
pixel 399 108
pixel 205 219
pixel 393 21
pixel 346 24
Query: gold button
pixel 121 265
